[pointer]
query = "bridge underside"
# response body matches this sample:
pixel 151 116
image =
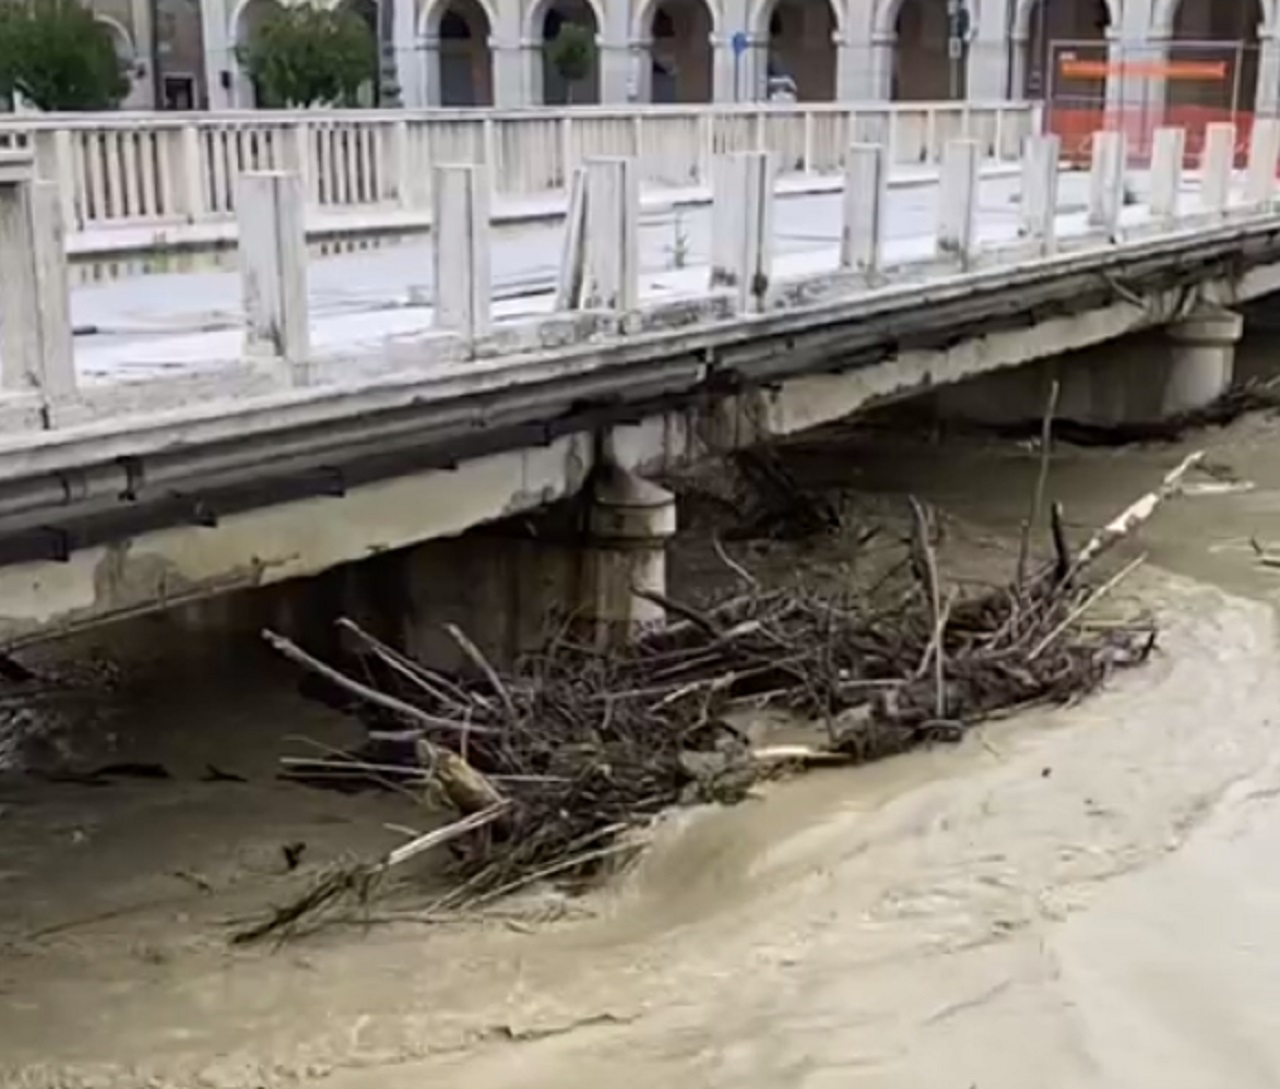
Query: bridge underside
pixel 212 544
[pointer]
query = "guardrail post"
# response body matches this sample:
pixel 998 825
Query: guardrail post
pixel 1167 158
pixel 600 264
pixel 742 226
pixel 1264 153
pixel 460 229
pixel 1038 210
pixel 273 265
pixel 866 178
pixel 35 301
pixel 958 208
pixel 1106 181
pixel 1216 166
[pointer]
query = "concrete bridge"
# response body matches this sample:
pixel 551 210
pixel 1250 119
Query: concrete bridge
pixel 301 443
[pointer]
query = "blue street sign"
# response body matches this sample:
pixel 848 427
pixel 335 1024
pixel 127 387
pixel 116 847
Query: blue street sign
pixel 739 42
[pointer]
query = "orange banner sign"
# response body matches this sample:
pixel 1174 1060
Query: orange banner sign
pixel 1198 71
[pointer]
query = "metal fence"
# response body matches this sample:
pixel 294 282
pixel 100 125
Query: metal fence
pixel 1092 86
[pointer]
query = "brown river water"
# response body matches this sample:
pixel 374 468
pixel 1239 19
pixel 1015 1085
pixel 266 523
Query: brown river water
pixel 1071 898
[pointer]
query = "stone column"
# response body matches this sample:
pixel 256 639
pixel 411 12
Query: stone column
pixel 1268 100
pixel 629 523
pixel 614 59
pixel 1018 66
pixel 1202 359
pixel 408 66
pixel 429 71
pixel 723 89
pixel 216 34
pixel 989 55
pixel 530 54
pixel 882 52
pixel 640 70
pixel 510 84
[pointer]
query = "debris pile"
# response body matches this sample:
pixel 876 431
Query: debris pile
pixel 548 765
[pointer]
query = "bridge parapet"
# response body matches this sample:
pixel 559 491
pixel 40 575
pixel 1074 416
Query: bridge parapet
pixel 605 312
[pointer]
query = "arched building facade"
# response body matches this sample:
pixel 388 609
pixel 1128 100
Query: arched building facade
pixel 466 53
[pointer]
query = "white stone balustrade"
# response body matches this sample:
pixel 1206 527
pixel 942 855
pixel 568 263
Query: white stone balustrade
pixel 740 280
pixel 164 169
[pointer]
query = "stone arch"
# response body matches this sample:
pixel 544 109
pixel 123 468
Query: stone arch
pixel 1164 18
pixel 923 68
pixel 459 34
pixel 1207 30
pixel 1026 10
pixel 120 38
pixel 545 20
pixel 538 12
pixel 886 19
pixel 434 12
pixel 647 10
pixel 244 17
pixel 799 39
pixel 674 42
pixel 1038 25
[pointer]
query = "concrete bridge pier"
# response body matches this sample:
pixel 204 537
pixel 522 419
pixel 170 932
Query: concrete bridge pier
pixel 1202 359
pixel 629 522
pixel 576 566
pixel 1140 379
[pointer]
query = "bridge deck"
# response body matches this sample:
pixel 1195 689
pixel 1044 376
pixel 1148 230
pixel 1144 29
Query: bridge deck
pixel 157 326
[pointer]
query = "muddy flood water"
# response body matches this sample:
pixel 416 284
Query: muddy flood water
pixel 1072 898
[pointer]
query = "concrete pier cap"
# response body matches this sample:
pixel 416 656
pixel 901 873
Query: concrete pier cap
pixel 629 522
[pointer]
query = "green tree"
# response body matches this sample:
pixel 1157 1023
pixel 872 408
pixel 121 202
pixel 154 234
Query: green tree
pixel 59 57
pixel 304 55
pixel 573 53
